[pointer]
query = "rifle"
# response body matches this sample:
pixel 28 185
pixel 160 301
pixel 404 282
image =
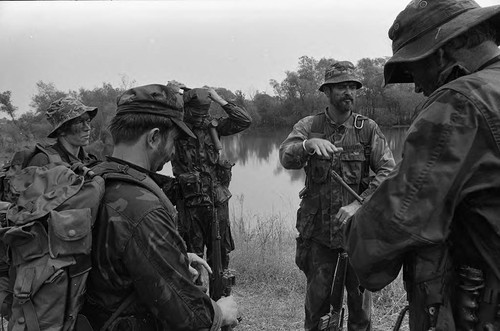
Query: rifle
pixel 221 280
pixel 334 320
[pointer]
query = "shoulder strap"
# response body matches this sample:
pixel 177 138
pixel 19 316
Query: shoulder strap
pixel 111 170
pixel 318 125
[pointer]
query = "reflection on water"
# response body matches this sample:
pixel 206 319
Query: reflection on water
pixel 260 185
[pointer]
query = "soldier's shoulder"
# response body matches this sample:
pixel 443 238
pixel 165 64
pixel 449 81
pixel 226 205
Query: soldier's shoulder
pixel 128 198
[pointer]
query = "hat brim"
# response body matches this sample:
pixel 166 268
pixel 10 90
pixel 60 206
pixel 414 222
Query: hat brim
pixel 183 127
pixel 394 71
pixel 331 82
pixel 92 111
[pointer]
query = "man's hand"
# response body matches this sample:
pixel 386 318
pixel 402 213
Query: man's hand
pixel 195 265
pixel 216 97
pixel 346 212
pixel 229 311
pixel 321 147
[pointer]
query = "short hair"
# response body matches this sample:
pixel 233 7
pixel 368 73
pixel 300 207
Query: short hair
pixel 473 37
pixel 128 127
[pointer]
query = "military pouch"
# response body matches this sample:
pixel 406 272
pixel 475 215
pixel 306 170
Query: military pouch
pixel 70 232
pixel 351 164
pixel 319 170
pixel 190 184
pixel 222 194
pixel 302 253
pixel 223 170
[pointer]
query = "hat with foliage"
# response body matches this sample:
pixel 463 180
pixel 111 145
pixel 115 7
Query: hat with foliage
pixel 340 72
pixel 65 109
pixel 426 25
pixel 154 99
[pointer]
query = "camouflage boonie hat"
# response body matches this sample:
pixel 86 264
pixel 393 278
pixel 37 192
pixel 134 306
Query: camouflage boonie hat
pixel 65 109
pixel 340 72
pixel 424 26
pixel 154 99
pixel 197 101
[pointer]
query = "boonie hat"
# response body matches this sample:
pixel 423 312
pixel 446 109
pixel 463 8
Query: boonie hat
pixel 154 99
pixel 340 72
pixel 425 25
pixel 197 101
pixel 65 109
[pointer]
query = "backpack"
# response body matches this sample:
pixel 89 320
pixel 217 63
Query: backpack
pixel 46 240
pixel 20 160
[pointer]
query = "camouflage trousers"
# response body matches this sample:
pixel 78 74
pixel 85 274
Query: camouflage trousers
pixel 319 269
pixel 195 226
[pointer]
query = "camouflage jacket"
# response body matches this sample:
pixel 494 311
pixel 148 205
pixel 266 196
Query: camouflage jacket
pixel 136 248
pixel 200 154
pixel 40 159
pixel 448 179
pixel 361 139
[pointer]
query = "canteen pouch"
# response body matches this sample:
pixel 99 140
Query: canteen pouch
pixel 190 184
pixel 223 170
pixel 70 232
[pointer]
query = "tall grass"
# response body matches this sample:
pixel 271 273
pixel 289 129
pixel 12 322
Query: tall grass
pixel 271 283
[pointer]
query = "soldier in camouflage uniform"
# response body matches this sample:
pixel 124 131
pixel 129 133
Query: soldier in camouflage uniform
pixel 203 176
pixel 70 120
pixel 350 144
pixel 137 252
pixel 438 215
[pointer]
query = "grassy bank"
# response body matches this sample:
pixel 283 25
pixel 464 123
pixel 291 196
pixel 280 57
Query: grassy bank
pixel 271 289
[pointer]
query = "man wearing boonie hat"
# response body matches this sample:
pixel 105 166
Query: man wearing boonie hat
pixel 437 215
pixel 136 247
pixel 199 163
pixel 351 144
pixel 70 120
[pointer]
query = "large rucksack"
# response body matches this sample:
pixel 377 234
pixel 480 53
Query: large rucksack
pixel 46 240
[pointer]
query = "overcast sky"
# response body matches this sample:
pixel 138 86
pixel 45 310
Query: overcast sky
pixel 236 44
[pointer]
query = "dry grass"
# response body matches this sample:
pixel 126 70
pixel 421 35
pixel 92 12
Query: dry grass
pixel 270 289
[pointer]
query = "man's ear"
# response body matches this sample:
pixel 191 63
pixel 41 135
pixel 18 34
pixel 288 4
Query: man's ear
pixel 153 138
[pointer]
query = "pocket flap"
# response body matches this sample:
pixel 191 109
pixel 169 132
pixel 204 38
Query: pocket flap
pixel 71 224
pixel 352 156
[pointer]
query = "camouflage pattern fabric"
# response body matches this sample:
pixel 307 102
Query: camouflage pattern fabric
pixel 200 156
pixel 445 188
pixel 136 248
pixel 323 200
pixel 65 109
pixel 40 159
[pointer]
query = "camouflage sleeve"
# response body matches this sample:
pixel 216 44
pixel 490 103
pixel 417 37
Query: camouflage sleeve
pixel 238 120
pixel 292 153
pixel 381 160
pixel 413 207
pixel 156 259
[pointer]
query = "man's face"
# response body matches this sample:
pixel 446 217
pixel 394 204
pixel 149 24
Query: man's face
pixel 165 150
pixel 78 133
pixel 342 96
pixel 425 74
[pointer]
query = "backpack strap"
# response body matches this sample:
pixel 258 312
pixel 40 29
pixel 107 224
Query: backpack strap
pixel 24 297
pixel 122 172
pixel 125 303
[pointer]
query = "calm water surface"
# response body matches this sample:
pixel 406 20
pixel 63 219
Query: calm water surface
pixel 261 187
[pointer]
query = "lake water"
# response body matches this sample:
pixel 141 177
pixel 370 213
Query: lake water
pixel 261 187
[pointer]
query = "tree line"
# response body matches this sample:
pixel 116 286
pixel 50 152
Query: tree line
pixel 296 96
